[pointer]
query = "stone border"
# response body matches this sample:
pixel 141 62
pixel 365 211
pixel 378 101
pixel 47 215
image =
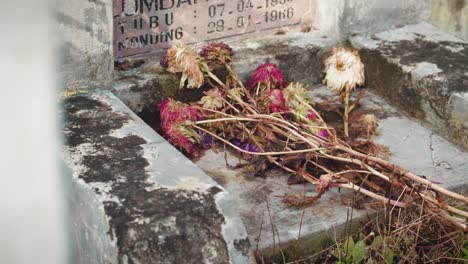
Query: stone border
pixel 155 208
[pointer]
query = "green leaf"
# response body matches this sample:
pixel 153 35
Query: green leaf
pixel 336 253
pixel 359 252
pixel 388 255
pixel 361 236
pixel 377 243
pixel 348 245
pixel 465 251
pixel 283 257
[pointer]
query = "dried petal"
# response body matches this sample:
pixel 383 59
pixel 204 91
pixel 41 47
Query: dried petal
pixel 276 102
pixel 213 99
pixel 217 53
pixel 324 183
pixel 175 124
pixel 206 140
pixel 324 133
pixel 295 90
pixel 344 67
pixel 179 135
pixel 371 122
pixel 269 75
pixel 183 59
pixel 311 115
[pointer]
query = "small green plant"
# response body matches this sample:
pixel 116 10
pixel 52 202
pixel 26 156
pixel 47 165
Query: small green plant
pixel 464 251
pixel 363 250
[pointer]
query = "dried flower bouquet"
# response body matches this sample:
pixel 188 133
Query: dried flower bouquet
pixel 272 123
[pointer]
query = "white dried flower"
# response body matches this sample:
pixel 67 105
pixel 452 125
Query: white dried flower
pixel 371 122
pixel 183 59
pixel 344 67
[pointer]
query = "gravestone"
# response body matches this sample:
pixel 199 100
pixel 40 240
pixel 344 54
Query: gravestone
pixel 144 26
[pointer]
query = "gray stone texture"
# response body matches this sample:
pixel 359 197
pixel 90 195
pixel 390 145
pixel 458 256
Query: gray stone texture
pixel 135 198
pixel 422 70
pixel 450 16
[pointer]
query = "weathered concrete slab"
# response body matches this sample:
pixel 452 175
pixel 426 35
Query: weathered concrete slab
pixel 424 71
pixel 269 221
pixel 136 198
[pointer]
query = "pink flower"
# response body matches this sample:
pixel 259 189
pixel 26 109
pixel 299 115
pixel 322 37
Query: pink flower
pixel 171 110
pixel 311 115
pixel 179 136
pixel 267 74
pixel 175 124
pixel 276 101
pixel 217 52
pixel 324 133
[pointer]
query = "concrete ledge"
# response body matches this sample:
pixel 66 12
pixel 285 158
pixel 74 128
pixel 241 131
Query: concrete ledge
pixel 140 200
pixel 424 71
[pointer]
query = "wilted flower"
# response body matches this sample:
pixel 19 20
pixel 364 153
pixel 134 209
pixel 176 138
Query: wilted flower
pixel 324 183
pixel 175 123
pixel 217 53
pixel 267 74
pixel 183 59
pixel 245 145
pixel 311 115
pixel 371 122
pixel 235 92
pixel 324 133
pixel 171 109
pixel 206 140
pixel 213 99
pixel 344 67
pixel 276 101
pixel 178 134
pixel 295 90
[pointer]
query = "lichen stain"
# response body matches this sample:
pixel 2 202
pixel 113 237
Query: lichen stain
pixel 140 219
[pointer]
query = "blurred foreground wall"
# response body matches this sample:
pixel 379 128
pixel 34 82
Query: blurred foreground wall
pixel 31 215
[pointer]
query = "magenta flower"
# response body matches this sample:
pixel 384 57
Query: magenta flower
pixel 171 110
pixel 311 115
pixel 217 52
pixel 175 124
pixel 324 133
pixel 276 101
pixel 267 74
pixel 181 137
